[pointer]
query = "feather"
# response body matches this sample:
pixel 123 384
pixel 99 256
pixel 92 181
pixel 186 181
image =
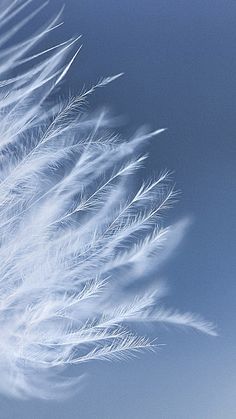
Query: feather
pixel 71 227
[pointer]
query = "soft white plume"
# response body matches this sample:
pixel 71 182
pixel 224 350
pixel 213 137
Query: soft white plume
pixel 71 230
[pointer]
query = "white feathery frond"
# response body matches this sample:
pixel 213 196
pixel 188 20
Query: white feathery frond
pixel 72 228
pixel 182 319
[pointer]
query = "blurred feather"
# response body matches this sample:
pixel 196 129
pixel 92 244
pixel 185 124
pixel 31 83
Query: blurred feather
pixel 69 222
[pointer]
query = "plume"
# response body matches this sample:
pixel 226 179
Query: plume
pixel 75 235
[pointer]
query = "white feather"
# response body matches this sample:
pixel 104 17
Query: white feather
pixel 68 222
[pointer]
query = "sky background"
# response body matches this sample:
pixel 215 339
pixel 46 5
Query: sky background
pixel 179 61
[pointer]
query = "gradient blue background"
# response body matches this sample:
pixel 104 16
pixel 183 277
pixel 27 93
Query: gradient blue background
pixel 179 60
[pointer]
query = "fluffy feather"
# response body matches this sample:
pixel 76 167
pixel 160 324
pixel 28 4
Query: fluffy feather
pixel 72 231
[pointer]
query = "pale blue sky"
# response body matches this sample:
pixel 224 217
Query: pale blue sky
pixel 179 61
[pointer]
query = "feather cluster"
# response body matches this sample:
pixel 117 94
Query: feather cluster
pixel 74 235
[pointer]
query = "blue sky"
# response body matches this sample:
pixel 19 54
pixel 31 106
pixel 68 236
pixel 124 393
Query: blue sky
pixel 179 62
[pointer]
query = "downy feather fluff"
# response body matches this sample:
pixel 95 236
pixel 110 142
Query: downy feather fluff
pixel 74 234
